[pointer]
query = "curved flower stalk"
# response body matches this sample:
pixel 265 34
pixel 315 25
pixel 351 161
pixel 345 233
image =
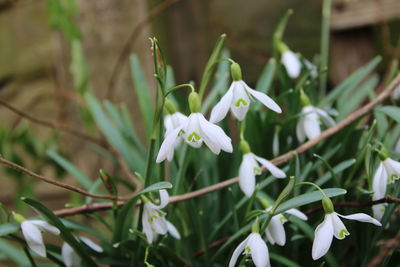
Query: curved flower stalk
pixel 292 63
pixel 275 231
pixel 32 232
pixel 332 226
pixel 308 124
pixel 196 130
pixel 71 258
pixel 250 167
pixel 388 172
pixel 238 98
pixel 255 246
pixel 153 219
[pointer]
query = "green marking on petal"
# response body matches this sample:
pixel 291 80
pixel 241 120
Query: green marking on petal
pixel 283 219
pixel 257 170
pixel 193 137
pixel 247 250
pixel 240 102
pixel 343 233
pixel 181 132
pixel 392 178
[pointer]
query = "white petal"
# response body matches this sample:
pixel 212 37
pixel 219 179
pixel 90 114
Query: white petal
pixel 148 231
pixel 361 217
pixel 326 119
pixel 269 237
pixel 379 182
pixel 168 124
pixel 247 179
pixel 173 231
pixel 91 244
pixel 259 250
pixel 45 226
pixel 236 253
pixel 263 98
pixel 339 230
pixel 240 101
pixel 160 225
pixel 168 145
pixel 178 119
pixel 275 171
pixel 192 132
pixel 291 63
pixel 392 169
pixel 164 199
pixel 277 231
pixel 301 134
pixel 378 211
pixel 323 238
pixel 298 214
pixel 33 238
pixel 220 110
pixel 214 137
pixel 70 257
pixel 311 126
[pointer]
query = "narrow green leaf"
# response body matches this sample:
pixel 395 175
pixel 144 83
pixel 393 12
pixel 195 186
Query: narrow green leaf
pixel 13 253
pixel 9 228
pixel 143 93
pixel 338 168
pixel 65 234
pixel 391 111
pixel 265 80
pixel 308 198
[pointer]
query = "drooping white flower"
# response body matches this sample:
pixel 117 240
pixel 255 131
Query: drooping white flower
pixel 255 246
pixel 153 219
pixel 333 226
pixel 71 258
pixel 308 124
pixel 388 172
pixel 249 168
pixel 275 231
pixel 31 229
pixel 237 99
pixel 194 131
pixel 292 63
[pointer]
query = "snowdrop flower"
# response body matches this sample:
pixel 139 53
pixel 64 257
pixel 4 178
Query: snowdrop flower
pixel 249 168
pixel 388 172
pixel 71 258
pixel 292 63
pixel 275 231
pixel 333 226
pixel 32 232
pixel 194 131
pixel 238 98
pixel 255 246
pixel 308 124
pixel 153 219
pixel 311 67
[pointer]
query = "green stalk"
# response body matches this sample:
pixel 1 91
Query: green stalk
pixel 326 16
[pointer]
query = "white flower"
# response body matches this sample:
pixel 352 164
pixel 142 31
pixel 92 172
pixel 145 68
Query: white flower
pixel 275 231
pixel 255 246
pixel 249 168
pixel 31 229
pixel 71 258
pixel 291 63
pixel 195 130
pixel 154 222
pixel 238 98
pixel 311 67
pixel 333 226
pixel 171 122
pixel 388 172
pixel 309 122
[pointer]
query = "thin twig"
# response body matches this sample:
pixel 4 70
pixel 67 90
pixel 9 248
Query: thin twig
pixel 276 161
pixel 157 10
pixel 52 181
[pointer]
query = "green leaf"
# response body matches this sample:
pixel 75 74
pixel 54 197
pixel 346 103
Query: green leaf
pixel 71 169
pixel 283 260
pixel 9 228
pixel 143 94
pixel 266 78
pixel 308 198
pixel 391 111
pixel 65 234
pixel 13 253
pixel 124 218
pixel 351 82
pixel 338 168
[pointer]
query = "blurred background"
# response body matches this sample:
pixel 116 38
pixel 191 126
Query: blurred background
pixel 53 51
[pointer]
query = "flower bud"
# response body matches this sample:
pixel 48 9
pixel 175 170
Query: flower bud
pixel 244 147
pixel 194 102
pixel 305 101
pixel 18 217
pixel 327 205
pixel 255 228
pixel 236 72
pixel 383 153
pixel 169 106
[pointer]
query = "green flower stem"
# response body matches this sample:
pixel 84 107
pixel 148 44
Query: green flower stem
pixel 170 90
pixel 326 15
pixel 312 184
pixel 278 34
